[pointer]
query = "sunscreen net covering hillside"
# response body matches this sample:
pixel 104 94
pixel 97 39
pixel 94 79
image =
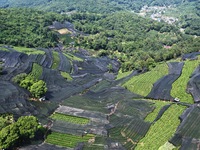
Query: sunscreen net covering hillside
pixel 65 64
pixel 188 134
pixel 161 89
pixel 44 146
pixel 190 56
pixel 13 100
pixel 193 86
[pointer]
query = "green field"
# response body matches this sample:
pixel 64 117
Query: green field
pixel 56 60
pixel 180 85
pixel 69 118
pixel 67 140
pixel 160 132
pixel 142 84
pixel 158 105
pixel 36 71
pixel 66 75
pixel 28 50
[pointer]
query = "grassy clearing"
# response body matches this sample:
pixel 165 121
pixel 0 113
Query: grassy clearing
pixel 180 85
pixel 28 50
pixel 69 118
pixel 36 71
pixel 72 57
pixel 158 104
pixel 67 140
pixel 160 132
pixel 123 74
pixel 66 75
pixel 56 60
pixel 142 84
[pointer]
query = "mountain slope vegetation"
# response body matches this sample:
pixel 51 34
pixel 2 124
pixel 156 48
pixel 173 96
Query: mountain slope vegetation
pixel 79 52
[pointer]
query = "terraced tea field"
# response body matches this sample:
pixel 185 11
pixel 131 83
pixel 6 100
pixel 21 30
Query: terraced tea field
pixel 67 140
pixel 56 60
pixel 142 84
pixel 68 118
pixel 158 105
pixel 180 85
pixel 162 130
pixel 28 50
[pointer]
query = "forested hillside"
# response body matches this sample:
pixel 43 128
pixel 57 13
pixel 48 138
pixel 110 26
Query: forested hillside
pixel 103 6
pixel 28 28
pixel 136 41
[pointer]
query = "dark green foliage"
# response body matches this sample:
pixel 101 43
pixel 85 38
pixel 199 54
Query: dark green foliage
pixel 191 26
pixel 27 82
pixel 19 132
pixel 18 78
pixel 38 89
pixel 28 28
pixel 5 119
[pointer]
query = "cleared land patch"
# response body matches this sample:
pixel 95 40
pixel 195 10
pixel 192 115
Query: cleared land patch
pixel 160 132
pixel 142 84
pixel 67 140
pixel 180 85
pixel 69 118
pixel 64 31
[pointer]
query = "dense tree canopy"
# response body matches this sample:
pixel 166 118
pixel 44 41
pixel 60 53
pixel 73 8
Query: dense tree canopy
pixel 103 6
pixel 37 87
pixel 28 28
pixel 19 132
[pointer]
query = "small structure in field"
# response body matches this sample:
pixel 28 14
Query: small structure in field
pixel 42 99
pixel 177 99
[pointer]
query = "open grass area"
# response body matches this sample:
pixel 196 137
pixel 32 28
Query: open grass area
pixel 66 75
pixel 69 118
pixel 180 85
pixel 142 84
pixel 28 50
pixel 36 71
pixel 160 132
pixel 72 57
pixel 158 105
pixel 67 140
pixel 56 60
